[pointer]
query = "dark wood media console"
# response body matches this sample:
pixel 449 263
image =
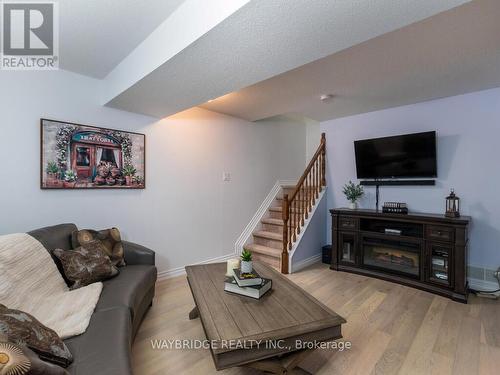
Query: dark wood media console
pixel 425 251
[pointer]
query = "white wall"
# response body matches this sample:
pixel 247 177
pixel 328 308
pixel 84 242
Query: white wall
pixel 312 132
pixel 313 137
pixel 468 131
pixel 187 213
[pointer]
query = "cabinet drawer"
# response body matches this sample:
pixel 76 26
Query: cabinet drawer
pixel 440 233
pixel 348 223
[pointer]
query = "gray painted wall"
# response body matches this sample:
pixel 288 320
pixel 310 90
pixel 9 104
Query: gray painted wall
pixel 314 237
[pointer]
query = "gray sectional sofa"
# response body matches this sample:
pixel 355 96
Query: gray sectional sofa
pixel 105 347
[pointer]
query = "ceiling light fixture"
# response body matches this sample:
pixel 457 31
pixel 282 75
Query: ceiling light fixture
pixel 325 97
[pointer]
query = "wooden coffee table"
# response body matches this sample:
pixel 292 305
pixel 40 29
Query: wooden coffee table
pixel 266 334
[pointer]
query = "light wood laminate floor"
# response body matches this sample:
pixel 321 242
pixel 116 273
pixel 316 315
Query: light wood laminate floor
pixel 393 330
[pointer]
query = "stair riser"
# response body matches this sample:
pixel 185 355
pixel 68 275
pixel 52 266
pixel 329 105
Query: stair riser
pixel 294 209
pixel 278 215
pixel 290 191
pixel 275 215
pixel 275 228
pixel 267 242
pixel 272 261
pixel 279 202
pixel 299 205
pixel 272 228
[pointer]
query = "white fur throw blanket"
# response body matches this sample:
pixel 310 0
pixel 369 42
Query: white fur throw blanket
pixel 31 282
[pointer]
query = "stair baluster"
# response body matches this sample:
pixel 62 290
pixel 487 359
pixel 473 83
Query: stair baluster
pixel 286 235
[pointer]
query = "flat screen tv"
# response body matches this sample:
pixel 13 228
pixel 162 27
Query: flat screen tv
pixel 402 156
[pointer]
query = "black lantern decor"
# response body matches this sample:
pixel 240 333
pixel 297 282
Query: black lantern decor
pixel 452 205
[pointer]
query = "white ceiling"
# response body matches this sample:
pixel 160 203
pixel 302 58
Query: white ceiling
pixel 262 58
pixel 95 35
pixel 260 40
pixel 451 53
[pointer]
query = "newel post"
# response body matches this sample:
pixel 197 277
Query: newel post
pixel 284 253
pixel 323 159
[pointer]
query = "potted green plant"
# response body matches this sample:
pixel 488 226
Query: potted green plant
pixel 70 178
pixel 52 171
pixel 129 172
pixel 353 192
pixel 246 261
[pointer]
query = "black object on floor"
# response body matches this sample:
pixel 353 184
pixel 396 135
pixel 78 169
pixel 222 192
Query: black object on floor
pixel 327 254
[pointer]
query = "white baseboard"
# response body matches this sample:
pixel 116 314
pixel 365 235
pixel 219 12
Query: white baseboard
pixel 306 262
pixel 478 284
pixel 167 274
pixel 246 235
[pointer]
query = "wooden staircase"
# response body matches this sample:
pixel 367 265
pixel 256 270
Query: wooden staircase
pixel 286 216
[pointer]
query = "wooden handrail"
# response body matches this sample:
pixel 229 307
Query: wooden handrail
pixel 319 151
pixel 296 208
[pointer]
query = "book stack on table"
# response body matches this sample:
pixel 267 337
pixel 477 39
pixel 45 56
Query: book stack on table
pixel 247 284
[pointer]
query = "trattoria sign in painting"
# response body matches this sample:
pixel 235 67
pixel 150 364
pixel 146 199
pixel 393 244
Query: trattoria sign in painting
pixel 82 156
pixel 95 138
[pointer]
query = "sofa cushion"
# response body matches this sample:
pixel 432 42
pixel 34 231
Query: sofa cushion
pixel 23 329
pixel 86 264
pixel 105 347
pixel 109 238
pixel 128 289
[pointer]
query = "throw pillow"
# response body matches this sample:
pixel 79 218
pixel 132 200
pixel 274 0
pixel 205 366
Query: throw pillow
pixel 86 265
pixel 19 360
pixel 110 238
pixel 21 328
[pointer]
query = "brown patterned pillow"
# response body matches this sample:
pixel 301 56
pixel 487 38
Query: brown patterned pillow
pixel 86 265
pixel 21 328
pixel 110 238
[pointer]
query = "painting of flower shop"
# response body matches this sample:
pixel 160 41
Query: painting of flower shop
pixel 81 156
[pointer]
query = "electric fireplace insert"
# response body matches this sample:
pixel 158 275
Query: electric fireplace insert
pixel 392 256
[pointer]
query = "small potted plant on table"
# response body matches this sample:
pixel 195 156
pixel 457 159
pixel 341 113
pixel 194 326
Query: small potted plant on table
pixel 353 192
pixel 246 262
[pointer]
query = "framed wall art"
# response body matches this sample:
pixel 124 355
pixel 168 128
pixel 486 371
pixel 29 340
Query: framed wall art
pixel 75 156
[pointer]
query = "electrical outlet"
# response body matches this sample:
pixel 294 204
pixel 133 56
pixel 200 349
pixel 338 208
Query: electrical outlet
pixel 226 176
